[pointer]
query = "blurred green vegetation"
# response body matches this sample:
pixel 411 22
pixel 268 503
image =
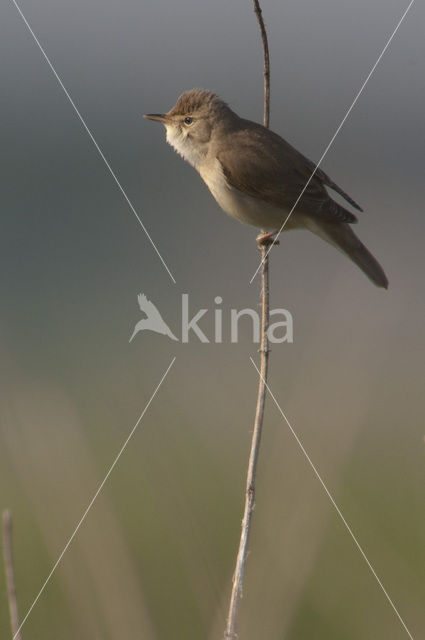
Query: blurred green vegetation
pixel 155 555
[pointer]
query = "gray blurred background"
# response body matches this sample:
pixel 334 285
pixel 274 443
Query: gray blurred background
pixel 154 558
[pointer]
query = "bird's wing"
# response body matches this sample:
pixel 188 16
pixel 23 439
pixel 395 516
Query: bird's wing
pixel 332 185
pixel 155 319
pixel 263 165
pixel 143 301
pixel 148 307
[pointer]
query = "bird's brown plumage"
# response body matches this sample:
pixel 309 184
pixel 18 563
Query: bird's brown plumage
pixel 277 173
pixel 257 177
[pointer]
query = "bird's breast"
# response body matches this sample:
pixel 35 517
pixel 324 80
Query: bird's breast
pixel 239 205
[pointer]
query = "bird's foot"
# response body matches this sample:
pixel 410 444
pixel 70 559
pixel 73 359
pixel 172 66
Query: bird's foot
pixel 266 239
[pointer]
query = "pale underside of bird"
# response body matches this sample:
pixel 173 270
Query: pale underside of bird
pixel 257 177
pixel 153 320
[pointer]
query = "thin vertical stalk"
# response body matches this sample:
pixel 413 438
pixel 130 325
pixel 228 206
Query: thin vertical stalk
pixel 263 243
pixel 266 57
pixel 231 626
pixel 10 574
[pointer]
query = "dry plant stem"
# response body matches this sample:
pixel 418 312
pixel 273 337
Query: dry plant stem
pixel 231 627
pixel 266 56
pixel 263 243
pixel 10 574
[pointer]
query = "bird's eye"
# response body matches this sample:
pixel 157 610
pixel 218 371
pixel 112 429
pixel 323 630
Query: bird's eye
pixel 188 120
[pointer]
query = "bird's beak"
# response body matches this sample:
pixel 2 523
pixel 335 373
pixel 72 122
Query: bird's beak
pixel 158 117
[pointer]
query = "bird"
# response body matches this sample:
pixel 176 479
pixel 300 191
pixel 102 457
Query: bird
pixel 153 320
pixel 256 176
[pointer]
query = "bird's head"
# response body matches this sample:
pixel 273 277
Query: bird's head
pixel 190 124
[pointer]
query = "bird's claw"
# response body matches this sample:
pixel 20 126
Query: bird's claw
pixel 266 239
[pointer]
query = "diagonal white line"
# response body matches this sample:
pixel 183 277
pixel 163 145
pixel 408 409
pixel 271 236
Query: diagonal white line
pixel 83 122
pixel 99 489
pixel 360 91
pixel 319 477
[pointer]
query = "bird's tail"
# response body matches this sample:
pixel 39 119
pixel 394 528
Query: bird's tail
pixel 341 236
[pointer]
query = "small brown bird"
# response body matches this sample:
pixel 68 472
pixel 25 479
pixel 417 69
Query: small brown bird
pixel 256 176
